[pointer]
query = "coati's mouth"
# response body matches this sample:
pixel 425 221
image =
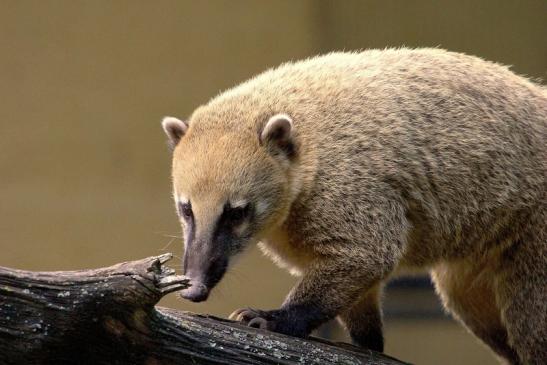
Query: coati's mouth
pixel 198 292
pixel 203 281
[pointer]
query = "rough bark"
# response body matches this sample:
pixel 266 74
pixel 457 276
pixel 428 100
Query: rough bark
pixel 108 316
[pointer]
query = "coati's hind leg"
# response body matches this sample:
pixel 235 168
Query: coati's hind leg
pixel 522 293
pixel 467 292
pixel 363 320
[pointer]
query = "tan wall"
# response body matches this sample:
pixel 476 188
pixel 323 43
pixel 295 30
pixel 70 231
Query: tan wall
pixel 84 172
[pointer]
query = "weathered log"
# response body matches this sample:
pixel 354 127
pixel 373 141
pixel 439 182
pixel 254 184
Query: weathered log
pixel 108 316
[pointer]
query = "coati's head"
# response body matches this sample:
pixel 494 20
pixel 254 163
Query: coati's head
pixel 230 184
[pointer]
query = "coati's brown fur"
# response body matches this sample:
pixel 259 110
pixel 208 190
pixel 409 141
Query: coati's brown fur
pixel 351 166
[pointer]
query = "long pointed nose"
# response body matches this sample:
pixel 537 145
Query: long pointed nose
pixel 195 268
pixel 198 292
pixel 205 259
pixel 204 267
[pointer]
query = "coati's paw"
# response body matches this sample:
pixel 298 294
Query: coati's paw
pixel 255 318
pixel 295 321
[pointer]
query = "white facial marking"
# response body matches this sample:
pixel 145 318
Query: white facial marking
pixel 261 207
pixel 239 203
pixel 182 199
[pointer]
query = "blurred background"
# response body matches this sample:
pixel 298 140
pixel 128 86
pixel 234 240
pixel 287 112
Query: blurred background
pixel 84 168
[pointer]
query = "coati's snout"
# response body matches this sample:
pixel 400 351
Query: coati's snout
pixel 204 273
pixel 198 292
pixel 213 235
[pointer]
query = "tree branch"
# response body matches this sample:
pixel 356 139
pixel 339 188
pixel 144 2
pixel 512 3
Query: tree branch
pixel 108 316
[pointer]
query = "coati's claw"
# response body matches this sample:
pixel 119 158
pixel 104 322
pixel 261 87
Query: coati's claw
pixel 236 315
pixel 245 315
pixel 253 318
pixel 259 322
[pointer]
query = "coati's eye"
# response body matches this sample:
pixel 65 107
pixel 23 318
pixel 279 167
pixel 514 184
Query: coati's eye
pixel 185 210
pixel 236 215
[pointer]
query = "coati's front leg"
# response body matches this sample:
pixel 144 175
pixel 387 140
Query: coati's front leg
pixel 329 287
pixel 363 320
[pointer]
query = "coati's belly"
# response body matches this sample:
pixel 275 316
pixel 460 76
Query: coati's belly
pixel 457 237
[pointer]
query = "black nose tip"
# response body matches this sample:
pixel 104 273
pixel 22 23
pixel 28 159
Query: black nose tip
pixel 198 292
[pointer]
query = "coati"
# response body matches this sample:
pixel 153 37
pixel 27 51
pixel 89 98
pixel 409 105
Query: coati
pixel 349 167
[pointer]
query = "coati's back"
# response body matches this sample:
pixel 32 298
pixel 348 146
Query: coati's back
pixel 455 138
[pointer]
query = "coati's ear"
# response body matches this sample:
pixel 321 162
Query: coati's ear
pixel 175 129
pixel 278 131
